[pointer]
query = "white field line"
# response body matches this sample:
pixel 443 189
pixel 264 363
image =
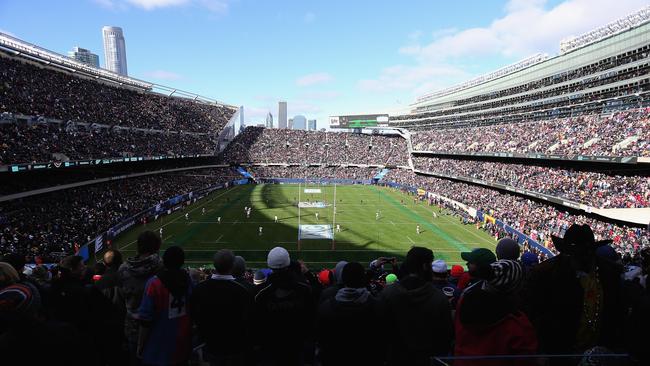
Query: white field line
pixel 411 240
pixel 179 216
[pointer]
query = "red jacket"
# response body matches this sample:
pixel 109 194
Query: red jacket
pixel 488 325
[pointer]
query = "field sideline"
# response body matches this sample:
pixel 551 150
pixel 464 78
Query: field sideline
pixel 363 237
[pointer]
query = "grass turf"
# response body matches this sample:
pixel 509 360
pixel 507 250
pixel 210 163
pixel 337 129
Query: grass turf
pixel 362 237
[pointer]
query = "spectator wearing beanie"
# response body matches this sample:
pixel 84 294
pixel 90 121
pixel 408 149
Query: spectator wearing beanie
pixel 132 277
pixel 507 248
pixel 455 273
pixel 331 291
pixel 165 326
pixel 488 320
pixel 416 313
pixel 284 307
pixel 222 311
pixel 345 321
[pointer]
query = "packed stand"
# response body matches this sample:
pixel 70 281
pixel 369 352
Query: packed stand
pixel 155 311
pixel 38 142
pixel 599 135
pixel 521 99
pixel 61 221
pixel 593 74
pixel 536 220
pixel 314 172
pixel 32 90
pixel 595 189
pixel 264 145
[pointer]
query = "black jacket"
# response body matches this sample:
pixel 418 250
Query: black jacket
pixel 419 316
pixel 554 302
pixel 221 310
pixel 285 311
pixel 347 332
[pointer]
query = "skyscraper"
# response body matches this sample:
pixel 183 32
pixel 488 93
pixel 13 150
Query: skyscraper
pixel 269 120
pixel 290 124
pixel 311 124
pixel 299 122
pixel 85 56
pixel 114 50
pixel 282 115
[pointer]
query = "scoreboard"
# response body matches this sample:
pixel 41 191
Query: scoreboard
pixel 359 121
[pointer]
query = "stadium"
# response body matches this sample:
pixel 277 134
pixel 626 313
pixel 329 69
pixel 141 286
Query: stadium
pixel 521 196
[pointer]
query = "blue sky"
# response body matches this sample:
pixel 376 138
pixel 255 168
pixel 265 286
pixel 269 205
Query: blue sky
pixel 322 57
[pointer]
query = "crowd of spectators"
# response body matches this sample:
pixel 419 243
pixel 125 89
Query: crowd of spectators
pixel 598 135
pixel 592 188
pixel 38 142
pixel 150 309
pixel 59 221
pixel 537 220
pixel 263 145
pixel 33 90
pixel 314 172
pixel 593 74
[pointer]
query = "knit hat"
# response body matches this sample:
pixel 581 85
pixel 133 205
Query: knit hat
pixel 278 258
pixel 338 271
pixel 354 275
pixel 507 248
pixel 529 259
pixel 479 256
pixel 439 266
pixel 607 252
pixel 324 277
pixel 391 278
pixel 508 276
pixel 260 277
pixel 457 271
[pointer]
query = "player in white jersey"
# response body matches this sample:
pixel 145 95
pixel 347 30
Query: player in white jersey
pixel 260 231
pixel 219 220
pixel 160 231
pixel 435 215
pixel 417 229
pixel 338 228
pixel 275 218
pixel 203 211
pixel 316 216
pixel 187 216
pixel 377 215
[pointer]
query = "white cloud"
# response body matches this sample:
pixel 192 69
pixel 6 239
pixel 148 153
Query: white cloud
pixel 163 75
pixel 153 4
pixel 214 6
pixel 309 17
pixel 313 79
pixel 320 95
pixel 526 28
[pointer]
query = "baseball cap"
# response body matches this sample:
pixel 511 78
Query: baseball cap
pixel 479 256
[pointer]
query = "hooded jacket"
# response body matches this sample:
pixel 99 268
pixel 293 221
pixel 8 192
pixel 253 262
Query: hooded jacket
pixel 133 276
pixel 344 324
pixel 419 316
